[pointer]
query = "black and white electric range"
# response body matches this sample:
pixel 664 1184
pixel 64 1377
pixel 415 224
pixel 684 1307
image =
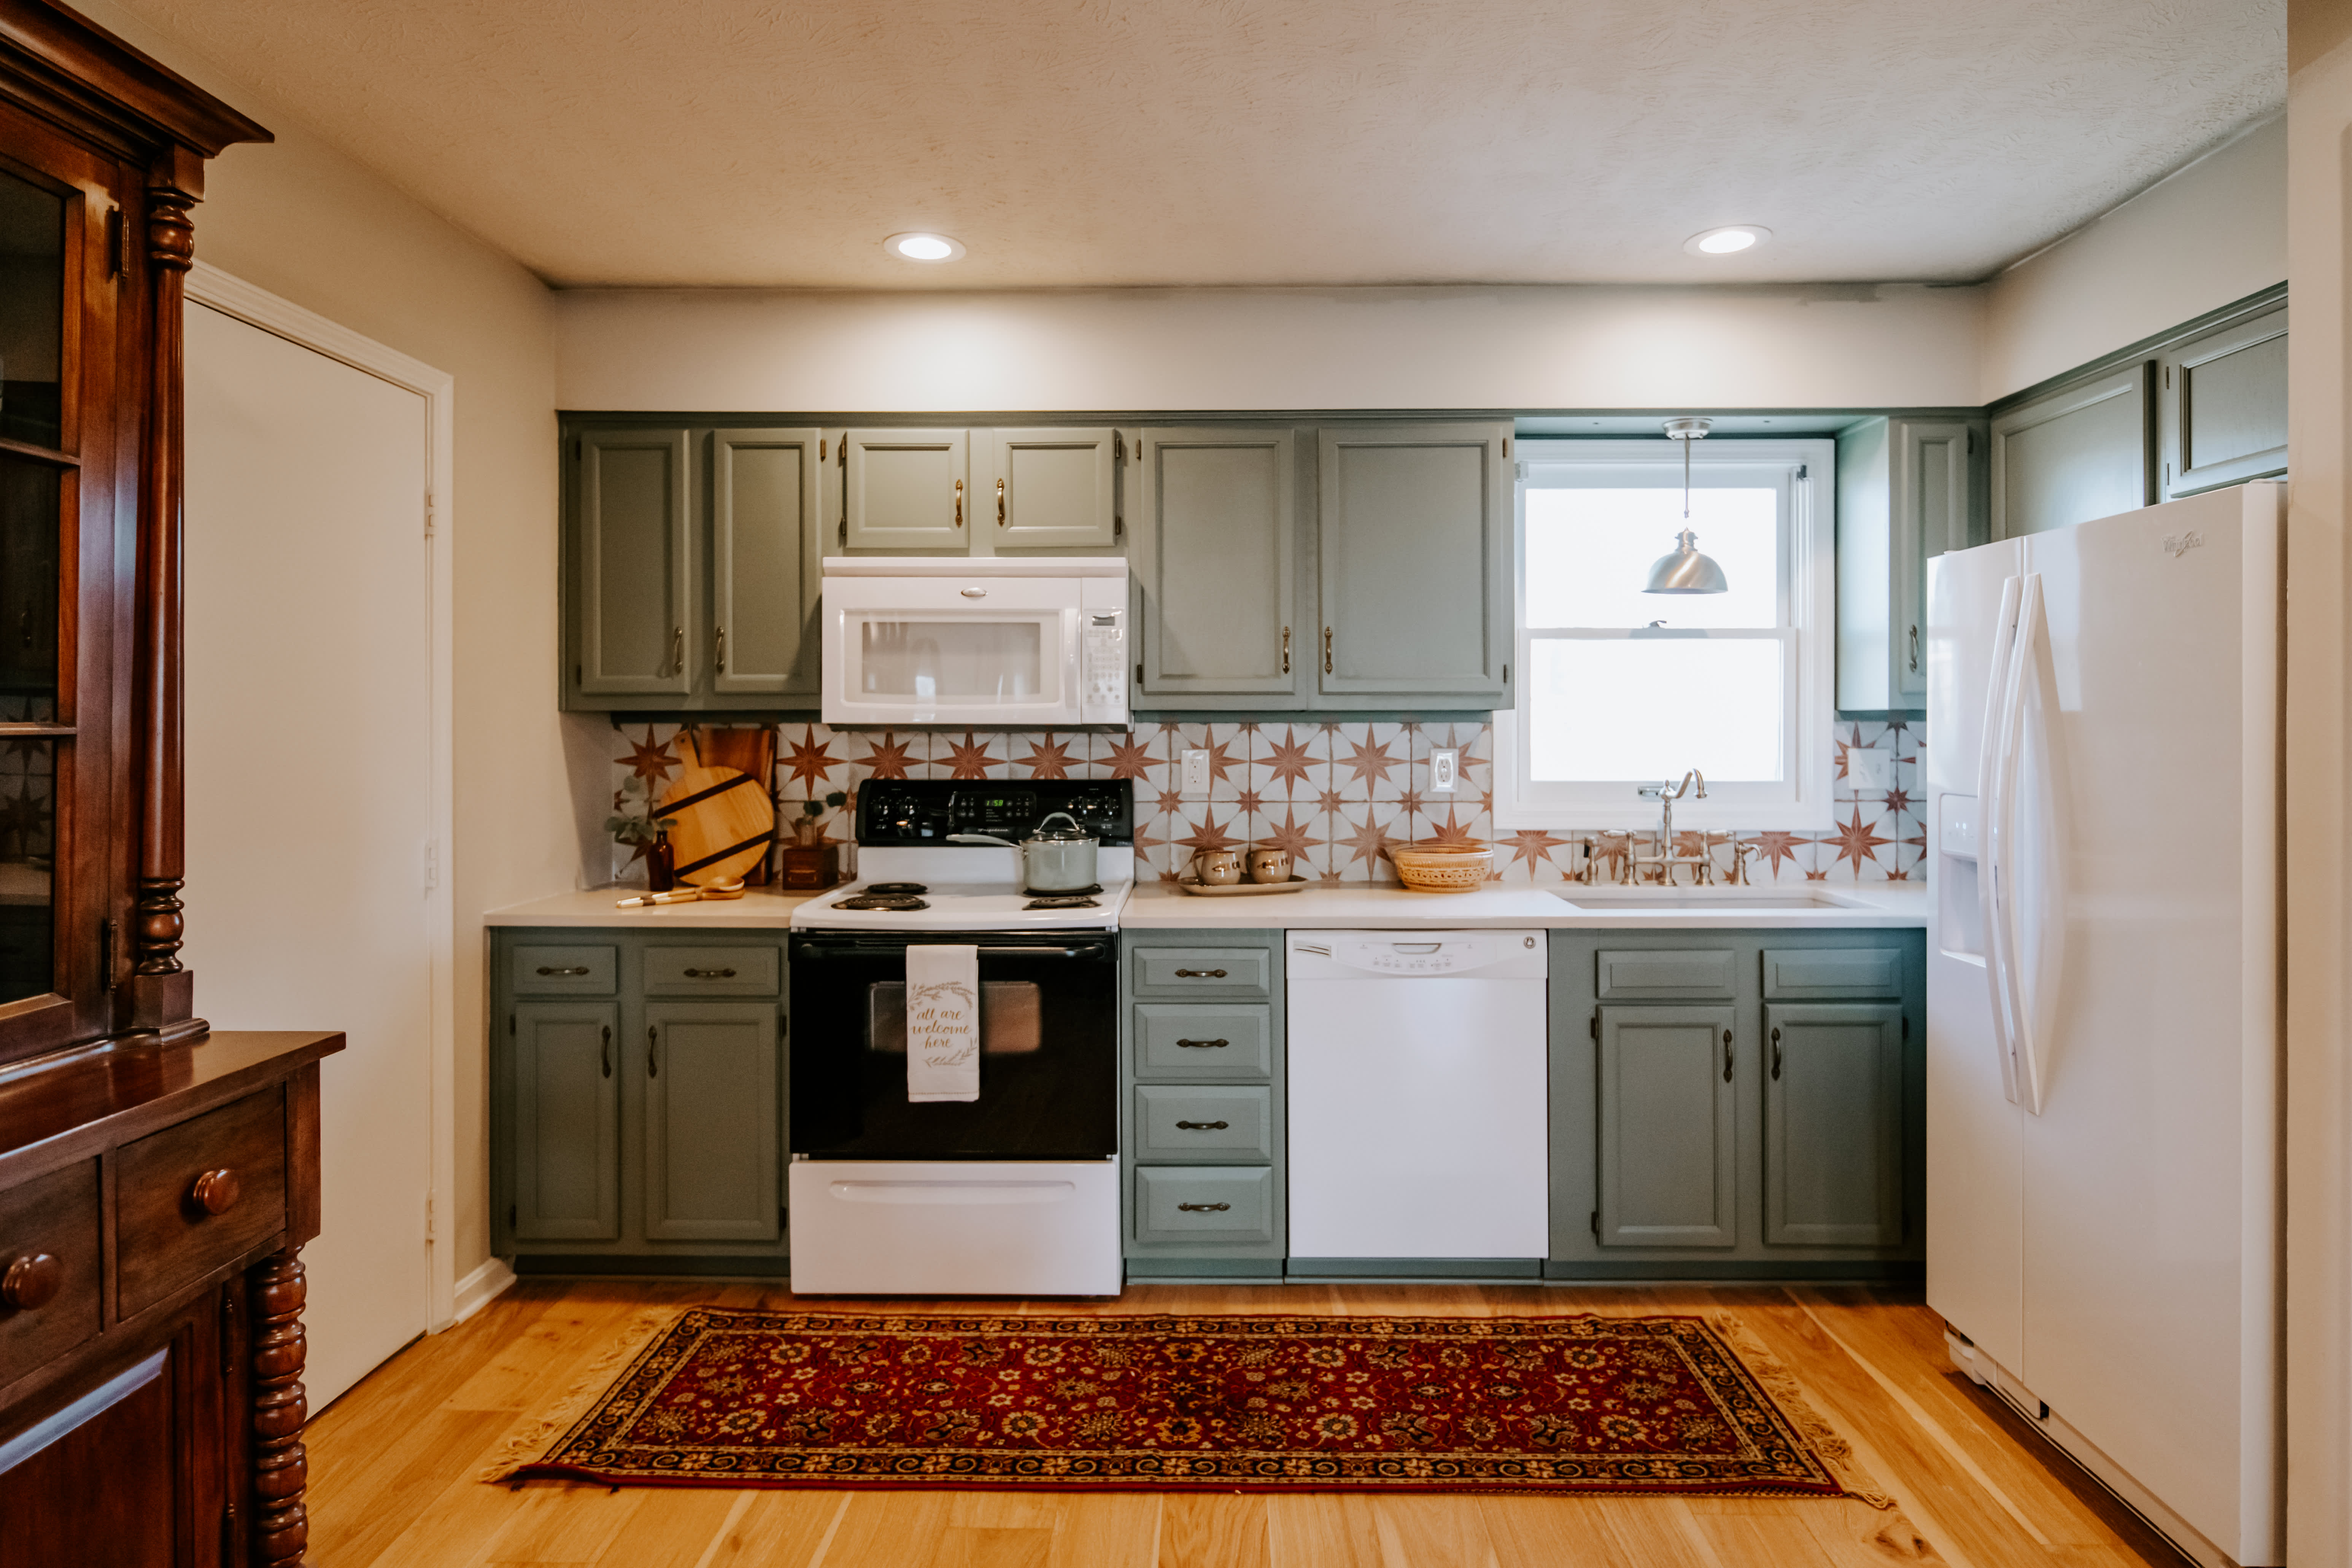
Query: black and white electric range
pixel 1015 1193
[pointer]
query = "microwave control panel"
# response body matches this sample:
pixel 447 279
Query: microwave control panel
pixel 907 812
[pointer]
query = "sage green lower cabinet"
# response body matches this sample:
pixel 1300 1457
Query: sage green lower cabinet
pixel 1667 1143
pixel 641 1129
pixel 1773 1130
pixel 1204 1115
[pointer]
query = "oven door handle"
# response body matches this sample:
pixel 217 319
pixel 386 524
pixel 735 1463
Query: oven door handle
pixel 870 950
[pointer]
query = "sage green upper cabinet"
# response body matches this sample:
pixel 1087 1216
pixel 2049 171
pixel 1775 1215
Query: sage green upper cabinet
pixel 1833 1124
pixel 908 489
pixel 765 574
pixel 2223 397
pixel 1215 564
pixel 1412 547
pixel 2074 454
pixel 634 565
pixel 1907 490
pixel 1051 489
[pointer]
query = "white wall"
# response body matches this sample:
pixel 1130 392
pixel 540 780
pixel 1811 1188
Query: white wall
pixel 302 220
pixel 2213 232
pixel 1528 348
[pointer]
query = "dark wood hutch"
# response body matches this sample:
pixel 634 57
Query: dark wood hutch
pixel 157 1178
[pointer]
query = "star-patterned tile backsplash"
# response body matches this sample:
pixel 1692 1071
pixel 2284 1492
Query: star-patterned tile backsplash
pixel 1337 795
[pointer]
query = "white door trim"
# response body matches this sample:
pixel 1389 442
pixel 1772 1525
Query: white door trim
pixel 232 296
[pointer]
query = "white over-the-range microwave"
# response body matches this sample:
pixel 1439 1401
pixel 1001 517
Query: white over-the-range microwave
pixel 990 643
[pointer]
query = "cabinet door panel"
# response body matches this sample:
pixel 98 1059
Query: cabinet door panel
pixel 2224 399
pixel 909 489
pixel 1053 488
pixel 765 535
pixel 1414 560
pixel 2081 452
pixel 1833 1124
pixel 633 564
pixel 104 1480
pixel 1667 1138
pixel 1215 541
pixel 567 1121
pixel 1931 512
pixel 712 1118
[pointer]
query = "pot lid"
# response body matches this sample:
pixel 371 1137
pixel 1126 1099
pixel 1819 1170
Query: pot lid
pixel 1046 833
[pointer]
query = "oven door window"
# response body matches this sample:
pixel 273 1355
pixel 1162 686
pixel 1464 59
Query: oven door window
pixel 1048 1065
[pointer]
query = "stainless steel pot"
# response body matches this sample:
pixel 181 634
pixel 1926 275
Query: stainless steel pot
pixel 1053 860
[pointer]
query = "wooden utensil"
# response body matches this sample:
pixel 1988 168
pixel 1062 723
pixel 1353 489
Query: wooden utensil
pixel 723 819
pixel 682 896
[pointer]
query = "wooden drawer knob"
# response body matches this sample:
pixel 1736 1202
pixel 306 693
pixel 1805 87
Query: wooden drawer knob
pixel 31 1280
pixel 214 1191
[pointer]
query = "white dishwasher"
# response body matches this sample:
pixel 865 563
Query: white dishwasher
pixel 1417 1094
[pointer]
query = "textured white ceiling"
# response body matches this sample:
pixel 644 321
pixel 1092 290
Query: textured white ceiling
pixel 1258 141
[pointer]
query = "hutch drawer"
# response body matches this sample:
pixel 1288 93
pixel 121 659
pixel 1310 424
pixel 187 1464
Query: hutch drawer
pixel 194 1197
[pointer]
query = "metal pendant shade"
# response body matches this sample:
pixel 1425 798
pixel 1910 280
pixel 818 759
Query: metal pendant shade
pixel 1686 571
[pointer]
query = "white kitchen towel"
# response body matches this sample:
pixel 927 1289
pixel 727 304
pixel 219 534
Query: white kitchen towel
pixel 942 1021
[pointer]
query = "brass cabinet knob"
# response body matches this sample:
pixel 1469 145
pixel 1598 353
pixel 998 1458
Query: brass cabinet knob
pixel 214 1191
pixel 31 1280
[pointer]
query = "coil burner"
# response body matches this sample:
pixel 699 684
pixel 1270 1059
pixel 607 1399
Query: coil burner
pixel 896 903
pixel 1062 901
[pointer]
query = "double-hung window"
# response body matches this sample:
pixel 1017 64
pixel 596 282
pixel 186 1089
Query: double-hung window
pixel 1619 688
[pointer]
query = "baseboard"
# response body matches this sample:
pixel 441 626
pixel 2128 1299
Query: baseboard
pixel 482 1286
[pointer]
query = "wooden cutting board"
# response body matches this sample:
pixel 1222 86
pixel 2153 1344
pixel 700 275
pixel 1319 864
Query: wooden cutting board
pixel 722 820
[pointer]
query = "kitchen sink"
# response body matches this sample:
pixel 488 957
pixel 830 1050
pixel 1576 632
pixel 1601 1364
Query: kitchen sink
pixel 1729 899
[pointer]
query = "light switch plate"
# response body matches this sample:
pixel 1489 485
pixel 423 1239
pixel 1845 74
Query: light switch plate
pixel 1869 769
pixel 1196 774
pixel 1445 770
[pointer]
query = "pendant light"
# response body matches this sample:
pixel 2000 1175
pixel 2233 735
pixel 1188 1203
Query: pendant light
pixel 1686 571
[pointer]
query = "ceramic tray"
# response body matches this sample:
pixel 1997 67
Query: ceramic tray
pixel 1239 889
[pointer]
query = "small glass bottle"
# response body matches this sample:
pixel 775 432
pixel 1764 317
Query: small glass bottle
pixel 661 863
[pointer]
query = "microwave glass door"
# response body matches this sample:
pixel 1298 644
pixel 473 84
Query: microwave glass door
pixel 964 664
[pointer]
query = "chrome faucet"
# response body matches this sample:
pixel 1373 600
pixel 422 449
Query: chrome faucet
pixel 1665 859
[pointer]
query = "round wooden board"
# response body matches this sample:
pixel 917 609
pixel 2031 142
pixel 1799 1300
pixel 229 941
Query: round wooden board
pixel 725 814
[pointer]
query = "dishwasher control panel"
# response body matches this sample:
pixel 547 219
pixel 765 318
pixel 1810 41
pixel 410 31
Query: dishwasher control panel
pixel 1416 955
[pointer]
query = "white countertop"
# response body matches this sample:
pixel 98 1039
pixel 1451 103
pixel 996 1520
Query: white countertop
pixel 758 908
pixel 1351 905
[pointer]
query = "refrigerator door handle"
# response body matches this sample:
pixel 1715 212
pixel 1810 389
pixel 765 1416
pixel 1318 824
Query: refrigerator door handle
pixel 1991 754
pixel 2035 951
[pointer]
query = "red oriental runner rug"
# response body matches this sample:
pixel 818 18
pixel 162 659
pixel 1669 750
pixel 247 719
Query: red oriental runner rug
pixel 726 1398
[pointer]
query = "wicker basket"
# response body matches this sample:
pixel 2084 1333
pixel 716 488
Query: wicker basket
pixel 1443 868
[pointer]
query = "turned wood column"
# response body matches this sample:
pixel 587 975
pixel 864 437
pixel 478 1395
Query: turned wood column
pixel 161 991
pixel 281 1469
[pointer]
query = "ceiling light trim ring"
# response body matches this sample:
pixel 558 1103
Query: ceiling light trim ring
pixel 1727 239
pixel 924 244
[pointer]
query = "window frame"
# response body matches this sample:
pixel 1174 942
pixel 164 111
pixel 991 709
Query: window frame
pixel 1801 802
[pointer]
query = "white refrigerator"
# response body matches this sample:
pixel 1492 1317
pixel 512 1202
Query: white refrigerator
pixel 2103 801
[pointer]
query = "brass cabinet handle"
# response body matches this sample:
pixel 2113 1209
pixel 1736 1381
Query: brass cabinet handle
pixel 604 1054
pixel 1286 650
pixel 959 512
pixel 1726 1056
pixel 566 969
pixel 1776 1054
pixel 214 1191
pixel 1914 650
pixel 1000 504
pixel 653 1038
pixel 1203 1045
pixel 1201 1126
pixel 720 657
pixel 711 974
pixel 1326 650
pixel 31 1280
pixel 1203 1208
pixel 1200 974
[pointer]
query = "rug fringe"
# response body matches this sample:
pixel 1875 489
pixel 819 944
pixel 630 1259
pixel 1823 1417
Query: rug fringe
pixel 1789 1395
pixel 524 1445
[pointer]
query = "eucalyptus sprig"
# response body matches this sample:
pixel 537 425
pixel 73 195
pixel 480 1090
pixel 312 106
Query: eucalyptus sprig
pixel 643 827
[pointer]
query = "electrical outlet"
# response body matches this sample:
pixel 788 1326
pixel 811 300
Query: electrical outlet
pixel 1869 770
pixel 1196 775
pixel 1445 769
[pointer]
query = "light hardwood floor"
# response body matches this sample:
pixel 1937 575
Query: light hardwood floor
pixel 392 1462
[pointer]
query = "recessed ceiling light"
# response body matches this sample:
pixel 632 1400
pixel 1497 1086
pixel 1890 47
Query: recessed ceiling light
pixel 923 247
pixel 1727 239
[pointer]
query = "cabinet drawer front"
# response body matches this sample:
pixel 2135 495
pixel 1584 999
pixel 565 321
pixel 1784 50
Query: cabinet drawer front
pixel 563 972
pixel 1195 1042
pixel 1223 1125
pixel 1668 974
pixel 56 1214
pixel 1226 971
pixel 711 971
pixel 164 1238
pixel 1173 1203
pixel 1806 975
